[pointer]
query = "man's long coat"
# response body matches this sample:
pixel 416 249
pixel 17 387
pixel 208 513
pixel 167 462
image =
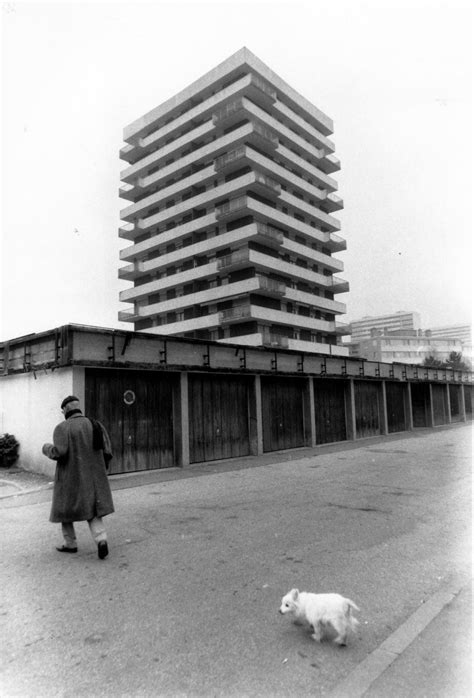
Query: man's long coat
pixel 81 488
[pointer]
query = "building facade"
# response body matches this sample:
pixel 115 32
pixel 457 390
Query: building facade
pixel 461 332
pixel 231 215
pixel 369 325
pixel 404 346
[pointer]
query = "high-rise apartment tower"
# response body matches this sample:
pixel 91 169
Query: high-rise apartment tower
pixel 231 214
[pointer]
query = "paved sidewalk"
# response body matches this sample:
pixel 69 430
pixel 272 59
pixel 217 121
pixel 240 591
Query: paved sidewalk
pixel 438 663
pixel 428 656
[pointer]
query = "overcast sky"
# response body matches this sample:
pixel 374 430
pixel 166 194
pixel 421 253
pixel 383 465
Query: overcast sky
pixel 396 78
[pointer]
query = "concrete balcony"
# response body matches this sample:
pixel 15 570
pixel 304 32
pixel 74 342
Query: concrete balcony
pixel 128 152
pixel 167 151
pixel 271 287
pixel 229 114
pixel 128 191
pixel 234 315
pixel 128 232
pixel 313 301
pixel 292 160
pixel 203 110
pixel 208 247
pixel 269 236
pixel 338 285
pixel 128 316
pixel 291 119
pixel 334 202
pixel 312 256
pixel 336 243
pixel 231 161
pixel 141 208
pixel 244 340
pixel 257 90
pixel 272 215
pixel 271 339
pixel 275 341
pixel 162 239
pixel 235 208
pixel 268 316
pixel 131 271
pixel 232 112
pixel 234 261
pixel 280 317
pixel 167 282
pixel 210 296
pixel 248 132
pixel 268 91
pixel 330 164
pixel 236 290
pixel 244 155
pixel 317 348
pixel 268 264
pixel 254 181
pixel 244 108
pixel 206 322
pixel 342 329
pixel 312 211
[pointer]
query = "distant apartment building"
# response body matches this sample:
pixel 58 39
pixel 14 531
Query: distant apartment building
pixel 231 215
pixel 462 332
pixel 404 346
pixel 367 326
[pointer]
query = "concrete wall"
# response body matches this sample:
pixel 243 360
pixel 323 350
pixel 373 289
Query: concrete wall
pixel 30 409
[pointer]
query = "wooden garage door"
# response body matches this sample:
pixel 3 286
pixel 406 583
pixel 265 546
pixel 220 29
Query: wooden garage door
pixel 136 407
pixel 440 404
pixel 367 408
pixel 420 403
pixel 330 410
pixel 218 417
pixel 282 413
pixel 396 417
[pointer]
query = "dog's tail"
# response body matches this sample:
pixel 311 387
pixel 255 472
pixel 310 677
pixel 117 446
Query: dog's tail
pixel 352 605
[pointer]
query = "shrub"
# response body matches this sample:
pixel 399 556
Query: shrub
pixel 8 450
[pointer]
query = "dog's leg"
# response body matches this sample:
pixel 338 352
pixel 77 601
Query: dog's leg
pixel 316 632
pixel 340 627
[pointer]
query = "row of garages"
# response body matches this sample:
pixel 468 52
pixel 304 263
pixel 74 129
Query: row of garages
pixel 160 419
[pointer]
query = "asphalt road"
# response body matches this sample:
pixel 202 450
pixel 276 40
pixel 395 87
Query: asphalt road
pixel 187 602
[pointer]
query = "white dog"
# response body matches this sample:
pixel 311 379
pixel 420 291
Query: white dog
pixel 321 610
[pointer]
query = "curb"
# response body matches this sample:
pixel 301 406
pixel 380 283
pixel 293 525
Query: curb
pixel 359 680
pixel 21 491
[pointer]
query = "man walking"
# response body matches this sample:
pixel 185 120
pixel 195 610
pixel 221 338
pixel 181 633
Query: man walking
pixel 81 491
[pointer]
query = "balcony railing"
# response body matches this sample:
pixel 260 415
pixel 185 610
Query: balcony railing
pixel 229 158
pixel 271 286
pixel 336 283
pixel 266 133
pixel 128 316
pixel 239 312
pixel 270 339
pixel 229 110
pixel 270 234
pixel 268 183
pixel 264 87
pixel 235 259
pixel 231 207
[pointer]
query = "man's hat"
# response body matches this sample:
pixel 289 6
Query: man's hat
pixel 68 399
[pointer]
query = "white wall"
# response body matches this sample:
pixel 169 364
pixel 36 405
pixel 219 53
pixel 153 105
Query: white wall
pixel 30 408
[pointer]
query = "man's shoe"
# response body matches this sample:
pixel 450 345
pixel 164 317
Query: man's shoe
pixel 65 549
pixel 102 549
